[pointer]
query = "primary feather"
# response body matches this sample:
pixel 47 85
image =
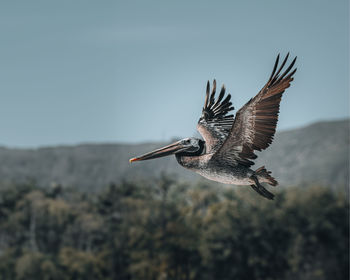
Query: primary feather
pixel 255 123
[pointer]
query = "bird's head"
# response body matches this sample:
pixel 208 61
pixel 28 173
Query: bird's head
pixel 188 146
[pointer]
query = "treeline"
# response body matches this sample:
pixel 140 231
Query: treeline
pixel 167 230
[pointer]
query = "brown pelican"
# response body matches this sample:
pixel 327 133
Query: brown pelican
pixel 227 151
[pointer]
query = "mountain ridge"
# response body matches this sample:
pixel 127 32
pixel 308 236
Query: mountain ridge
pixel 315 154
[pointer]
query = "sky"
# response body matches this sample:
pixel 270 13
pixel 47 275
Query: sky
pixel 135 71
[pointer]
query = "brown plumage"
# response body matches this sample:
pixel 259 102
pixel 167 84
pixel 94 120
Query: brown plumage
pixel 255 123
pixel 227 151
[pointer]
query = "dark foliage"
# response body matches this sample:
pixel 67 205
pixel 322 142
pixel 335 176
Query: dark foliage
pixel 167 230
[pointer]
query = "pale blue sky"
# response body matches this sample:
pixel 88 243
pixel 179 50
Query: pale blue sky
pixel 135 71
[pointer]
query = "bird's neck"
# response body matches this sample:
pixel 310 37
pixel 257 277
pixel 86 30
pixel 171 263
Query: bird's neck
pixel 188 161
pixel 191 160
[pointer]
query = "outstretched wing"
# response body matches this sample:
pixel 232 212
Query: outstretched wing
pixel 255 123
pixel 214 124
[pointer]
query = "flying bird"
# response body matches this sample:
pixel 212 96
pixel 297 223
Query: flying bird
pixel 226 153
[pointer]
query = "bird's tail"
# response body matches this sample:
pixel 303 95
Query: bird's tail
pixel 262 172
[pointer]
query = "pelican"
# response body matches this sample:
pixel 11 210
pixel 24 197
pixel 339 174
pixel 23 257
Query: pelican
pixel 226 152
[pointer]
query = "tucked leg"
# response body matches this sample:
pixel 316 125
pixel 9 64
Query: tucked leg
pixel 260 189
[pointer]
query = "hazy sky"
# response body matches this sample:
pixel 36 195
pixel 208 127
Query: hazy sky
pixel 134 71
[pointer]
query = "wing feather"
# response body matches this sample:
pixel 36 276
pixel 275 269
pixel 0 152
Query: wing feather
pixel 214 124
pixel 255 123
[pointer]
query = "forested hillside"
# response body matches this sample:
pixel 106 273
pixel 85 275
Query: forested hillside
pixel 140 223
pixel 164 229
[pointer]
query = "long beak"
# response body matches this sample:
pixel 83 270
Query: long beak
pixel 165 151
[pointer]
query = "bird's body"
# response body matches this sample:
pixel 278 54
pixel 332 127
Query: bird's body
pixel 226 153
pixel 220 171
pixel 225 173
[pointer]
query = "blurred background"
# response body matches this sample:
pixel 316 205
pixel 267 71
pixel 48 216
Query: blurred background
pixel 87 85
